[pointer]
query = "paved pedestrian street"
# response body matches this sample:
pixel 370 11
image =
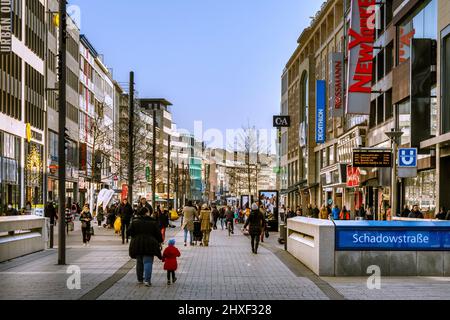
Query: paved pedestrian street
pixel 226 270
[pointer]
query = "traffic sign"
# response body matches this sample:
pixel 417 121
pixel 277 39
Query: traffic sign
pixel 407 157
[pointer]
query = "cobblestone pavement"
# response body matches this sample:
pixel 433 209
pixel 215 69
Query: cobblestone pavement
pixel 226 270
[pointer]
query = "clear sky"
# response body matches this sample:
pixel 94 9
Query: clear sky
pixel 219 61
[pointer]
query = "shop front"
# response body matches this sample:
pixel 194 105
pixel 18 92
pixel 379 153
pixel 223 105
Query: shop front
pixel 421 191
pixel 34 178
pixel 10 171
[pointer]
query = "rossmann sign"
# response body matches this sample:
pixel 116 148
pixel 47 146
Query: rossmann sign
pixel 361 39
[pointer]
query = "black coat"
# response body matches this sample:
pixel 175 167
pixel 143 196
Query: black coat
pixel 164 219
pixel 256 221
pixel 145 237
pixel 126 213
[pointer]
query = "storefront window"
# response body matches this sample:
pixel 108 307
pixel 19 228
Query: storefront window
pixel 422 191
pixel 34 174
pixel 434 112
pixel 419 25
pixel 9 171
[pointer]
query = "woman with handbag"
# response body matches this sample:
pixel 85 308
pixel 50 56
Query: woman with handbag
pixel 86 218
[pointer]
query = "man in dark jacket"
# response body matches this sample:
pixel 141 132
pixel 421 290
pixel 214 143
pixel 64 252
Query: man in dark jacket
pixel 50 212
pixel 415 213
pixel 145 244
pixel 215 214
pixel 125 214
pixel 144 204
pixel 315 212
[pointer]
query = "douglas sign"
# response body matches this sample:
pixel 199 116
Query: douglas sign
pixel 361 39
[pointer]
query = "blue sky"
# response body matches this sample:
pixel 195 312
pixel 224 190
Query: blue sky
pixel 219 61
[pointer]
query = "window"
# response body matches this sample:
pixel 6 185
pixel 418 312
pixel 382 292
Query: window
pixel 418 25
pixel 380 109
pixel 34 27
pixel 389 111
pixel 373 114
pixel 434 111
pixel 380 65
pixel 404 118
pixel 11 85
pixel 445 83
pixel 389 57
pixel 34 97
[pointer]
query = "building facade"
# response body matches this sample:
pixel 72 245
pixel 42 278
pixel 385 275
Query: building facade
pixel 406 91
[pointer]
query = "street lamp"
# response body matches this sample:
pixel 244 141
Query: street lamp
pixel 394 136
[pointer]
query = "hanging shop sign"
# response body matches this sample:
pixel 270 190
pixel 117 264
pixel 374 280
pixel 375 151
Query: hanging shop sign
pixel 361 39
pixel 5 26
pixel 320 111
pixel 353 177
pixel 281 121
pixel 375 158
pixel 336 84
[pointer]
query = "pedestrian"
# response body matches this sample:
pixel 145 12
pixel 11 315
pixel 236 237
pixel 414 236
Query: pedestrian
pixel 50 212
pixel 344 214
pixel 324 212
pixel 100 216
pixel 335 212
pixel 222 216
pixel 299 211
pixel 415 213
pixel 164 222
pixel 86 218
pixel 361 212
pixel 216 215
pixel 255 222
pixel 205 223
pixel 143 203
pixel 315 212
pixel 145 244
pixel 169 257
pixel 126 215
pixel 405 212
pixel 189 213
pixel 329 211
pixel 309 211
pixel 441 214
pixel 229 216
pixel 282 212
pixel 11 211
pixel 68 219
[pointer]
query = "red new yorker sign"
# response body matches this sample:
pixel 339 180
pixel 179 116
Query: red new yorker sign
pixel 361 39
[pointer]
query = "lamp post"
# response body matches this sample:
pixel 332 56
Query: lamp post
pixel 394 136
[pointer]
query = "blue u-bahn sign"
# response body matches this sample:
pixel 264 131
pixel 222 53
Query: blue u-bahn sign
pixel 407 157
pixel 392 236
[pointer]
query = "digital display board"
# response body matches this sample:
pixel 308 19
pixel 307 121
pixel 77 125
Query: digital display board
pixel 372 158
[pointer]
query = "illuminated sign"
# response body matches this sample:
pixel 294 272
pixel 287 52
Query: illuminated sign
pixel 378 158
pixel 361 38
pixel 281 121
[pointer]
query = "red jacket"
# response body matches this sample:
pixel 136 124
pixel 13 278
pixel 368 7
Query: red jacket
pixel 170 258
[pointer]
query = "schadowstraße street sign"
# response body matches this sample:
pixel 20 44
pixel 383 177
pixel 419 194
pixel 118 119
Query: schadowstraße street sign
pixel 372 157
pixel 281 121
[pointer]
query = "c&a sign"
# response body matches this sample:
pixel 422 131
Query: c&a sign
pixel 281 121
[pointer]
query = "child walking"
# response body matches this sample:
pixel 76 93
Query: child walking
pixel 170 260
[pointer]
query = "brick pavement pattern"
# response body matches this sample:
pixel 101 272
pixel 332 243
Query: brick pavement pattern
pixel 226 270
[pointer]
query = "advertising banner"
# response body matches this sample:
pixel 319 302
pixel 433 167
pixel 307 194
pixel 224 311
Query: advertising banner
pixel 5 26
pixel 360 62
pixel 353 177
pixel 336 84
pixel 320 111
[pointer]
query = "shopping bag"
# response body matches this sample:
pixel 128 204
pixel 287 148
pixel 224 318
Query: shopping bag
pixel 71 226
pixel 117 225
pixel 174 215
